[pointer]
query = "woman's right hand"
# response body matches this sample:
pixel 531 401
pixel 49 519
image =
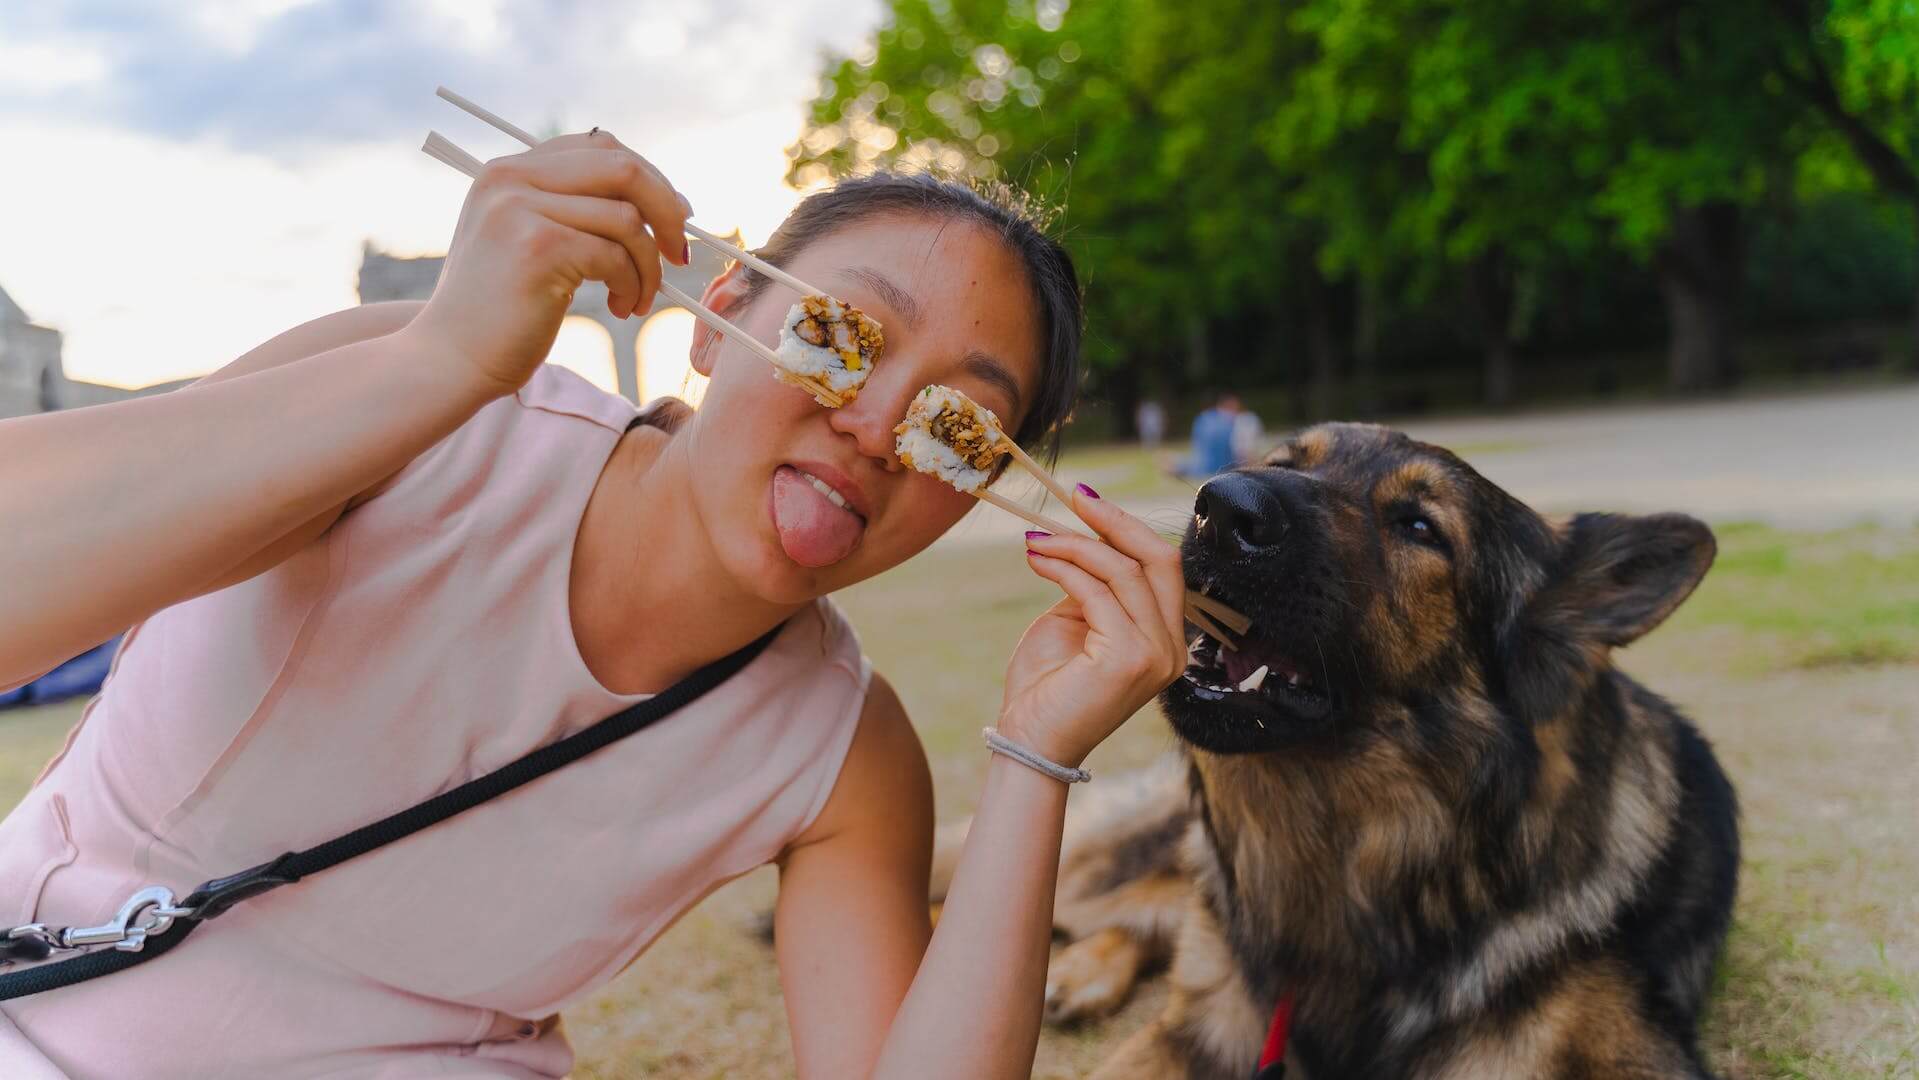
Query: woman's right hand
pixel 534 227
pixel 1104 650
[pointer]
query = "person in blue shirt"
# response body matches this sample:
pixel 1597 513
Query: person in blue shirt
pixel 1213 450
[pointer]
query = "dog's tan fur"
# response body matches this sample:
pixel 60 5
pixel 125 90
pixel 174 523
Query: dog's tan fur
pixel 1465 872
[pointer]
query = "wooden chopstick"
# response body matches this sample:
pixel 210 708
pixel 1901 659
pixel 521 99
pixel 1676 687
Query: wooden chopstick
pixel 1200 610
pixel 497 121
pixel 443 149
pixel 1198 618
pixel 1039 472
pixel 438 146
pixel 1032 516
pixel 1227 617
pixel 827 395
pixel 731 251
pixel 1197 605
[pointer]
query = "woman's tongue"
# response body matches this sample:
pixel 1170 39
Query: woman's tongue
pixel 813 531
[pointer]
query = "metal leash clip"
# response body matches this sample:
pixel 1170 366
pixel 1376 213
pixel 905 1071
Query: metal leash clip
pixel 147 913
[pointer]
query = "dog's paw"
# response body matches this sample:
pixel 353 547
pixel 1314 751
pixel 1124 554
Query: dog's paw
pixel 1092 977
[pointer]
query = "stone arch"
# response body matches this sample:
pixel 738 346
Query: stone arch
pixel 578 333
pixel 390 277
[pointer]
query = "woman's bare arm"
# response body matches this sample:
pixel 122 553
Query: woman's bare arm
pixel 852 904
pixel 324 334
pixel 116 511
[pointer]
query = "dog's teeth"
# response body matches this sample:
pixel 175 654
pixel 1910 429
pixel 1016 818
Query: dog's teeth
pixel 1197 642
pixel 1253 681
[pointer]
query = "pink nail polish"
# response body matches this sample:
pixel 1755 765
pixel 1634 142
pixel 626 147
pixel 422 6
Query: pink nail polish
pixel 1031 554
pixel 1086 491
pixel 686 252
pixel 1037 535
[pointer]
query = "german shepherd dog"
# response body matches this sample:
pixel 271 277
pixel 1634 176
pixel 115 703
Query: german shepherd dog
pixel 1416 797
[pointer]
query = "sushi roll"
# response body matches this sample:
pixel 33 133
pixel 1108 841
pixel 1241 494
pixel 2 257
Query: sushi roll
pixel 951 436
pixel 829 343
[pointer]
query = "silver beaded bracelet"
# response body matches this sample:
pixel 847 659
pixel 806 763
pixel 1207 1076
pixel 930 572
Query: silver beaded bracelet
pixel 1000 744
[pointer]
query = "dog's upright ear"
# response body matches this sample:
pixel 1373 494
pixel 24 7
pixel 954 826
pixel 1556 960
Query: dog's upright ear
pixel 1619 576
pixel 1613 578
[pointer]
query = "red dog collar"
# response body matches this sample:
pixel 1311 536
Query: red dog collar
pixel 1272 1060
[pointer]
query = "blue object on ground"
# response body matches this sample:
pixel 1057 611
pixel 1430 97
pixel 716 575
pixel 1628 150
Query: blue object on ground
pixel 79 676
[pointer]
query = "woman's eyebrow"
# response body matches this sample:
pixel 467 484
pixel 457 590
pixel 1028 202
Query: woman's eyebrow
pixel 983 366
pixel 989 370
pixel 896 298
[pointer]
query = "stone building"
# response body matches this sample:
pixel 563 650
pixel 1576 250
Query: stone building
pixel 31 377
pixel 391 277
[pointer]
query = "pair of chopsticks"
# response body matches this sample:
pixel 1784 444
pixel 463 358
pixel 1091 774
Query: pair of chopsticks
pixel 1219 621
pixel 1202 611
pixel 443 149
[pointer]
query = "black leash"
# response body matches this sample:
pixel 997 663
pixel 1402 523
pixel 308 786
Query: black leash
pixel 150 924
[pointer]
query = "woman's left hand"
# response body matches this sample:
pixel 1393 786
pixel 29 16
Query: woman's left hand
pixel 1114 641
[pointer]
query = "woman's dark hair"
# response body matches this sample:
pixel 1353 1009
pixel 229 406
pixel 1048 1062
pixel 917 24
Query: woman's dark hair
pixel 1000 210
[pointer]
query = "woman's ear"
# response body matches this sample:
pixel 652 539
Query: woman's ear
pixel 723 296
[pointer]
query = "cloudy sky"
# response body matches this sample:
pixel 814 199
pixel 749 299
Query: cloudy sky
pixel 181 181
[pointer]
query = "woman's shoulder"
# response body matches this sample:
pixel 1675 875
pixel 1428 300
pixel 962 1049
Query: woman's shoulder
pixel 537 432
pixel 556 390
pixel 836 639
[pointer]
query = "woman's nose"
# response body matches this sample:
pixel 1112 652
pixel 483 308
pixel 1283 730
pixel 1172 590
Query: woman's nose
pixel 871 417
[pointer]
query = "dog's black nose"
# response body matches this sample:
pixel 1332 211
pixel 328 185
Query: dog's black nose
pixel 1235 513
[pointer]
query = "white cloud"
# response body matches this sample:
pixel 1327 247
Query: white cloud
pixel 43 67
pixel 184 201
pixel 234 26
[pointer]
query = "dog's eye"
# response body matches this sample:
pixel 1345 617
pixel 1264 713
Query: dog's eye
pixel 1420 529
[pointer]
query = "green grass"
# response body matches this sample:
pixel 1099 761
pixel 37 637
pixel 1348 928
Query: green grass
pixel 1799 657
pixel 1840 599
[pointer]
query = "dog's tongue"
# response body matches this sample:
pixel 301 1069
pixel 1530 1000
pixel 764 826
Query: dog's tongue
pixel 813 531
pixel 1250 656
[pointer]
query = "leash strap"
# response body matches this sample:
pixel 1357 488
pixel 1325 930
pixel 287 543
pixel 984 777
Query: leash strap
pixel 1272 1060
pixel 150 924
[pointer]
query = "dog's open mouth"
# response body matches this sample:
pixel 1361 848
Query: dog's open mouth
pixel 1259 674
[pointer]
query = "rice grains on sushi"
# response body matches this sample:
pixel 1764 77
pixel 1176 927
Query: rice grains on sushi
pixel 828 341
pixel 951 436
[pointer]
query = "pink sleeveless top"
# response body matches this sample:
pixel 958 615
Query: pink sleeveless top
pixel 423 641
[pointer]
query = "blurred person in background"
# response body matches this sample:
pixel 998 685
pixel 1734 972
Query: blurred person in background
pixel 1150 421
pixel 1249 435
pixel 1213 447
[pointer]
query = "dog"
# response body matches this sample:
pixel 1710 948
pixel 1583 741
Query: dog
pixel 1415 801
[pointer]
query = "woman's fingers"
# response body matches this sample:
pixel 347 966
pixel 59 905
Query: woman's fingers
pixel 1136 660
pixel 1134 538
pixel 596 258
pixel 605 172
pixel 1120 573
pixel 605 140
pixel 619 222
pixel 1098 606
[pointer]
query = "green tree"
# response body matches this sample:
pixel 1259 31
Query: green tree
pixel 1251 181
pixel 1856 62
pixel 1023 93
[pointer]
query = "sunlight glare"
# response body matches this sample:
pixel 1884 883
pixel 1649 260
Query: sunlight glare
pixel 666 342
pixel 584 348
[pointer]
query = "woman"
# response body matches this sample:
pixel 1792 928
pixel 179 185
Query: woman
pixel 388 551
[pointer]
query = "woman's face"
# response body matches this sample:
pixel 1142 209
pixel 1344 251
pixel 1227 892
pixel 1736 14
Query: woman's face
pixel 955 308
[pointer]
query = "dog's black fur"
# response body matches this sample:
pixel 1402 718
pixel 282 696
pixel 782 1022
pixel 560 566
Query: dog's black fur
pixel 1445 822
